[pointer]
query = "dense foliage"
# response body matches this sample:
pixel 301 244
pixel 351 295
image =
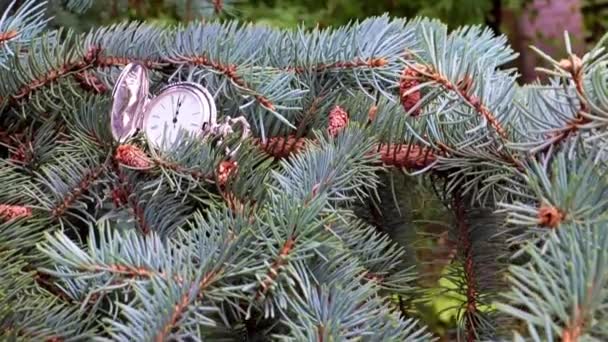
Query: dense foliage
pixel 305 234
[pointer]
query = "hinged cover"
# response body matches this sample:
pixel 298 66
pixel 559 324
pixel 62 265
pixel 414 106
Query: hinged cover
pixel 129 96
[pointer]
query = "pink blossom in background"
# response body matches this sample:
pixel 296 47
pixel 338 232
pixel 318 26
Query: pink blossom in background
pixel 542 23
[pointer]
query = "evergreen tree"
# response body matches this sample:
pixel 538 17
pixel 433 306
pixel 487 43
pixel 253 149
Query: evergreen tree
pixel 297 235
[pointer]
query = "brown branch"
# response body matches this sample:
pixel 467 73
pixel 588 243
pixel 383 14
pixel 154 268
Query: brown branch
pixel 574 66
pixel 133 156
pixel 372 276
pixel 45 281
pixel 178 310
pixel 466 250
pixel 105 61
pixel 8 35
pixel 398 155
pixel 87 61
pixel 371 63
pixel 230 71
pixel 464 91
pixel 140 215
pixel 571 127
pixel 320 333
pixel 413 157
pixel 196 174
pixel 218 6
pixel 126 271
pixel 275 268
pixel 182 305
pixel 129 271
pixel 124 193
pixel 75 193
pixel 90 82
pixel 308 115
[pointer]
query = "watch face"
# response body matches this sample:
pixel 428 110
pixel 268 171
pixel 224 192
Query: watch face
pixel 180 109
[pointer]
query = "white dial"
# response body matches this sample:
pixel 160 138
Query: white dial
pixel 180 109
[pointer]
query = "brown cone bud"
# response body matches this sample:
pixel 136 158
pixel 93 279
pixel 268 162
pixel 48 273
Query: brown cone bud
pixel 572 65
pixel 132 156
pixel 282 147
pixel 225 170
pixel 20 155
pixel 338 119
pixel 119 197
pixel 9 212
pixel 409 99
pixel 549 216
pixel 371 114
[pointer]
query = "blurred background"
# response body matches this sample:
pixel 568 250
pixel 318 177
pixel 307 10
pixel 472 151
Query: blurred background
pixel 526 22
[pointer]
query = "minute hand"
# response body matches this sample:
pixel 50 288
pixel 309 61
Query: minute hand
pixel 179 104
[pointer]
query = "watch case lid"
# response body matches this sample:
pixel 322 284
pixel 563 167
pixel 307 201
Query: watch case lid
pixel 129 97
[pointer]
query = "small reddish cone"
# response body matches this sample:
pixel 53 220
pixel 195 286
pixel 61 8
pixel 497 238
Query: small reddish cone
pixel 549 216
pixel 225 170
pixel 20 155
pixel 338 119
pixel 282 147
pixel 132 156
pixel 119 196
pixel 571 65
pixel 371 114
pixel 409 99
pixel 9 212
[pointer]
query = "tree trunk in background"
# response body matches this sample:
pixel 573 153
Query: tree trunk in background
pixel 542 23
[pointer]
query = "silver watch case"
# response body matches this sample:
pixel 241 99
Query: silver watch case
pixel 129 97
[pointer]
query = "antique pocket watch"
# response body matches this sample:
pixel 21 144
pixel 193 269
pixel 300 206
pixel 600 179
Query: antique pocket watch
pixel 182 107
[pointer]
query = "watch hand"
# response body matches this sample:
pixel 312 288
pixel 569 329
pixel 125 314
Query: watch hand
pixel 179 104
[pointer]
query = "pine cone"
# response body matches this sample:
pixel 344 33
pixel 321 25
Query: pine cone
pixel 225 170
pixel 549 216
pixel 409 80
pixel 9 212
pixel 132 156
pixel 338 119
pixel 282 147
